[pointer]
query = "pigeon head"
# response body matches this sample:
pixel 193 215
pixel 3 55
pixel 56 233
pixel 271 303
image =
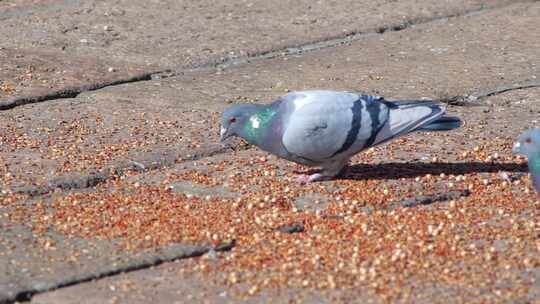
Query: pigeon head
pixel 234 119
pixel 528 143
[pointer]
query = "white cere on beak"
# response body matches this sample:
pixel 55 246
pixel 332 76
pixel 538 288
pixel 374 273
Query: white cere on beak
pixel 516 146
pixel 222 131
pixel 255 122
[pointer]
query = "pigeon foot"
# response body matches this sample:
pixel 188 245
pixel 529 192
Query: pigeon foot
pixel 306 179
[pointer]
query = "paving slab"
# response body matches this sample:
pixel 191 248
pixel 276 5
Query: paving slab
pixel 75 138
pixel 60 48
pixel 178 283
pixel 172 33
pixel 35 259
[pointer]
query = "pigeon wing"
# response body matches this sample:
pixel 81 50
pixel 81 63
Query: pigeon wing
pixel 324 125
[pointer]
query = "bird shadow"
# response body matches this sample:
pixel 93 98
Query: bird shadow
pixel 410 170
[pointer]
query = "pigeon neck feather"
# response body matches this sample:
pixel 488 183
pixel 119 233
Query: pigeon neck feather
pixel 534 163
pixel 534 168
pixel 257 124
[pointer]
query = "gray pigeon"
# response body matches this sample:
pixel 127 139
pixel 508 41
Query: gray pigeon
pixel 326 128
pixel 528 144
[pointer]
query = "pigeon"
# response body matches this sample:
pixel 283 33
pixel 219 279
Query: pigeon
pixel 326 128
pixel 528 144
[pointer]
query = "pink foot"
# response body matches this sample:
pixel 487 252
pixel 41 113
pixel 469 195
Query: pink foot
pixel 302 179
pixel 306 179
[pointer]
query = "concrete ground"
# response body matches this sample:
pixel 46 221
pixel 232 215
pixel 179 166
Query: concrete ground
pixel 116 189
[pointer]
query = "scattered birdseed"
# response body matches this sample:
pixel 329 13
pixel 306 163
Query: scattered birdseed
pixel 358 239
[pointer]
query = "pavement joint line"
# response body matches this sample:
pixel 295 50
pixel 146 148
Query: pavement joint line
pixel 311 46
pixel 423 200
pixel 483 94
pixel 527 84
pixel 70 92
pixel 151 261
pixel 331 42
pixel 92 179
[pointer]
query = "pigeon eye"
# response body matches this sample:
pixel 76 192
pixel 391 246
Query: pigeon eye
pixel 528 140
pixel 232 119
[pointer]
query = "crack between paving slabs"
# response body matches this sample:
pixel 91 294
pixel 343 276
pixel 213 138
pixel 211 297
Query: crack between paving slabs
pixel 167 254
pixel 423 200
pixel 468 99
pixel 71 92
pixel 350 37
pixel 233 61
pixel 93 179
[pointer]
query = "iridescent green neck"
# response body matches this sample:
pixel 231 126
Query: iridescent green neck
pixel 534 163
pixel 256 125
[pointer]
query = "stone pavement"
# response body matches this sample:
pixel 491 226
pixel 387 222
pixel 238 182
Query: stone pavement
pixel 112 174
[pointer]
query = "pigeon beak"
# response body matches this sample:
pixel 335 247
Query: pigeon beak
pixel 516 148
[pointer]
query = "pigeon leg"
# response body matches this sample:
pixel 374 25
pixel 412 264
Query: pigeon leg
pixel 306 179
pixel 334 168
pixel 328 172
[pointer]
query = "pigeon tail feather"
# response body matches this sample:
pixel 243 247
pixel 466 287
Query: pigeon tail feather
pixel 410 116
pixel 404 104
pixel 445 123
